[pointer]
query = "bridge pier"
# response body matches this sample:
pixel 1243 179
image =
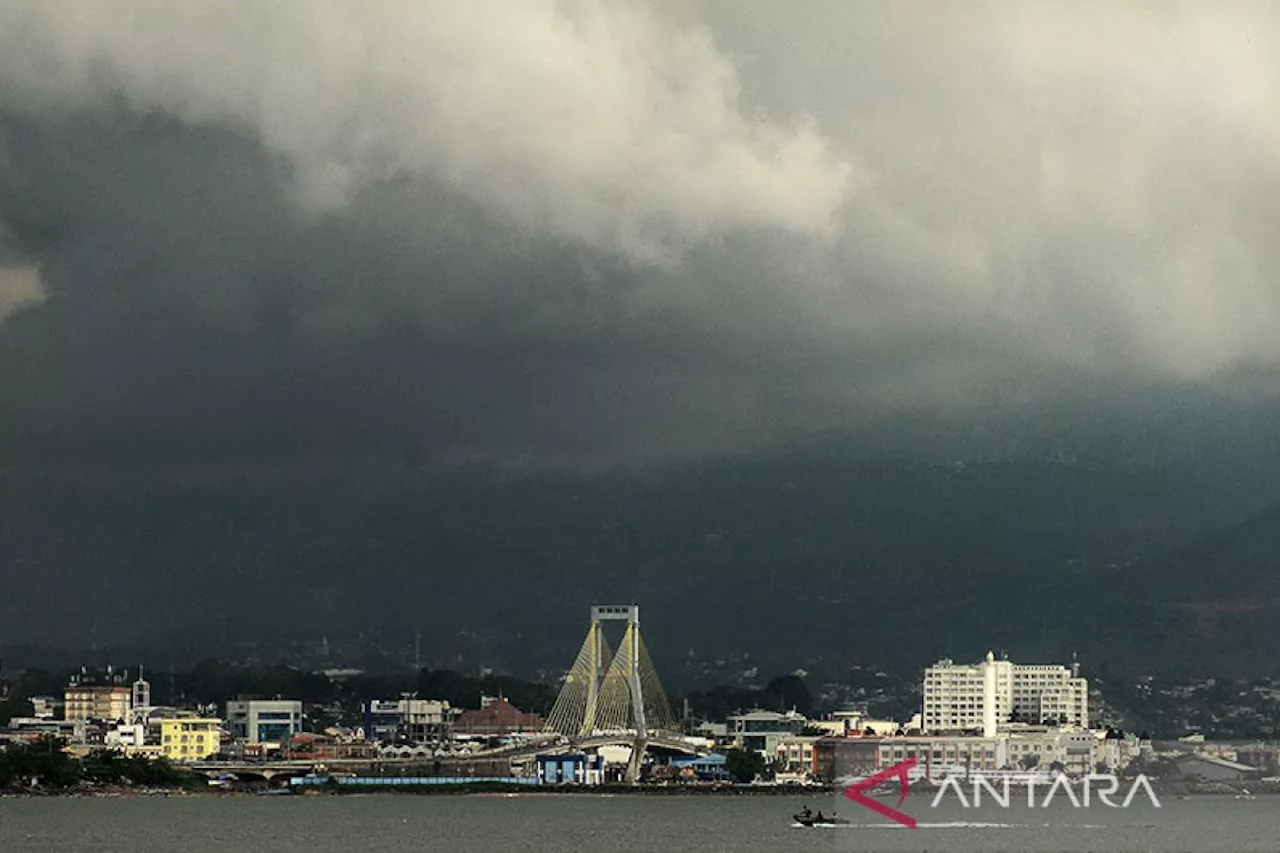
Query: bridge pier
pixel 636 762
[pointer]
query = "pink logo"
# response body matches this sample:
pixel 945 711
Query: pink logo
pixel 897 771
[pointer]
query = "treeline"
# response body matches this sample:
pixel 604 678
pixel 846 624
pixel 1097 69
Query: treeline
pixel 44 764
pixel 216 682
pixel 782 694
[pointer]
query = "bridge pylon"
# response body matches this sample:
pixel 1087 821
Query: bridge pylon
pixel 606 692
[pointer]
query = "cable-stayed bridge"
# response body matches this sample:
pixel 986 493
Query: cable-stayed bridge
pixel 608 698
pixel 615 697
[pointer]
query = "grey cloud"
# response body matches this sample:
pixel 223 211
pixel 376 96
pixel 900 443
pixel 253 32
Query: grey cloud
pixel 587 231
pixel 598 122
pixel 1091 175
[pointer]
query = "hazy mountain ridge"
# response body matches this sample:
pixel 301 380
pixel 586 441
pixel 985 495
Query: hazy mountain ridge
pixel 789 557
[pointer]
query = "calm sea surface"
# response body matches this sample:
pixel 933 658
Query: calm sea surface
pixel 585 824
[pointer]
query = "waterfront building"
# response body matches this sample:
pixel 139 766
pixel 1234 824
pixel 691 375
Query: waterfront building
pixel 936 757
pixel 190 738
pixel 570 768
pixel 985 697
pixel 1026 749
pixel 795 753
pixel 762 731
pixel 703 768
pixel 264 720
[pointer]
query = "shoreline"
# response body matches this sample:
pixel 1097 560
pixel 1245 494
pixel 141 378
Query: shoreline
pixel 1176 790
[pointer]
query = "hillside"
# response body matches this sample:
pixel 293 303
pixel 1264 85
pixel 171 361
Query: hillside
pixel 796 558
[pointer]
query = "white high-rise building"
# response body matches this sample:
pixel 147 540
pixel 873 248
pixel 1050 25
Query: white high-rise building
pixel 985 696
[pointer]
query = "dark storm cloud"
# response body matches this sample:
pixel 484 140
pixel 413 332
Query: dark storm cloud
pixel 613 231
pixel 195 312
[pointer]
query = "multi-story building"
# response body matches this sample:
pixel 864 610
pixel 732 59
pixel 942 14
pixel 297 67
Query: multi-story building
pixel 935 757
pixel 96 701
pixel 795 753
pixel 264 720
pixel 73 731
pixel 190 738
pixel 126 735
pixel 407 718
pixel 986 696
pixel 762 731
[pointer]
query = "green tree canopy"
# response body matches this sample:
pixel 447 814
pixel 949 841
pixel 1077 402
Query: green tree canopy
pixel 744 765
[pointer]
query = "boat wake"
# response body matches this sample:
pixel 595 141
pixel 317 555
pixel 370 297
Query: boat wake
pixel 951 824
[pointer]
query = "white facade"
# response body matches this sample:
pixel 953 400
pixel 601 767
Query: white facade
pixel 130 735
pixel 987 695
pixel 141 692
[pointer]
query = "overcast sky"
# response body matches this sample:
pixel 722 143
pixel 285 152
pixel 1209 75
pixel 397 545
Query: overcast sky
pixel 593 231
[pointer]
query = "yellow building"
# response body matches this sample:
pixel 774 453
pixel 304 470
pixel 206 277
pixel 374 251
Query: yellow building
pixel 190 738
pixel 97 702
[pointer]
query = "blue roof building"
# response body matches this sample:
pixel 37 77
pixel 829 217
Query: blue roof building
pixel 705 768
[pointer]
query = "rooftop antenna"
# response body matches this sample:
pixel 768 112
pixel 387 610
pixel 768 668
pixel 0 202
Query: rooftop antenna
pixel 417 650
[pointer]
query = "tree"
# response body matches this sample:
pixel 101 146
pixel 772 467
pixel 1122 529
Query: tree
pixel 743 765
pixel 1029 761
pixel 103 765
pixel 15 707
pixel 787 692
pixel 43 762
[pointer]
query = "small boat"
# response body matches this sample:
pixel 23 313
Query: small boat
pixel 819 819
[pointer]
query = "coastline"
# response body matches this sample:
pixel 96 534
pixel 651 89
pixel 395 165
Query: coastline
pixel 1178 790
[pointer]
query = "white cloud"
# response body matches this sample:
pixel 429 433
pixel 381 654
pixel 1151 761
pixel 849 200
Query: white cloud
pixel 20 287
pixel 1095 179
pixel 593 120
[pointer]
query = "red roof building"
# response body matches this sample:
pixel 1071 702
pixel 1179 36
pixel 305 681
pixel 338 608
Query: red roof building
pixel 498 717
